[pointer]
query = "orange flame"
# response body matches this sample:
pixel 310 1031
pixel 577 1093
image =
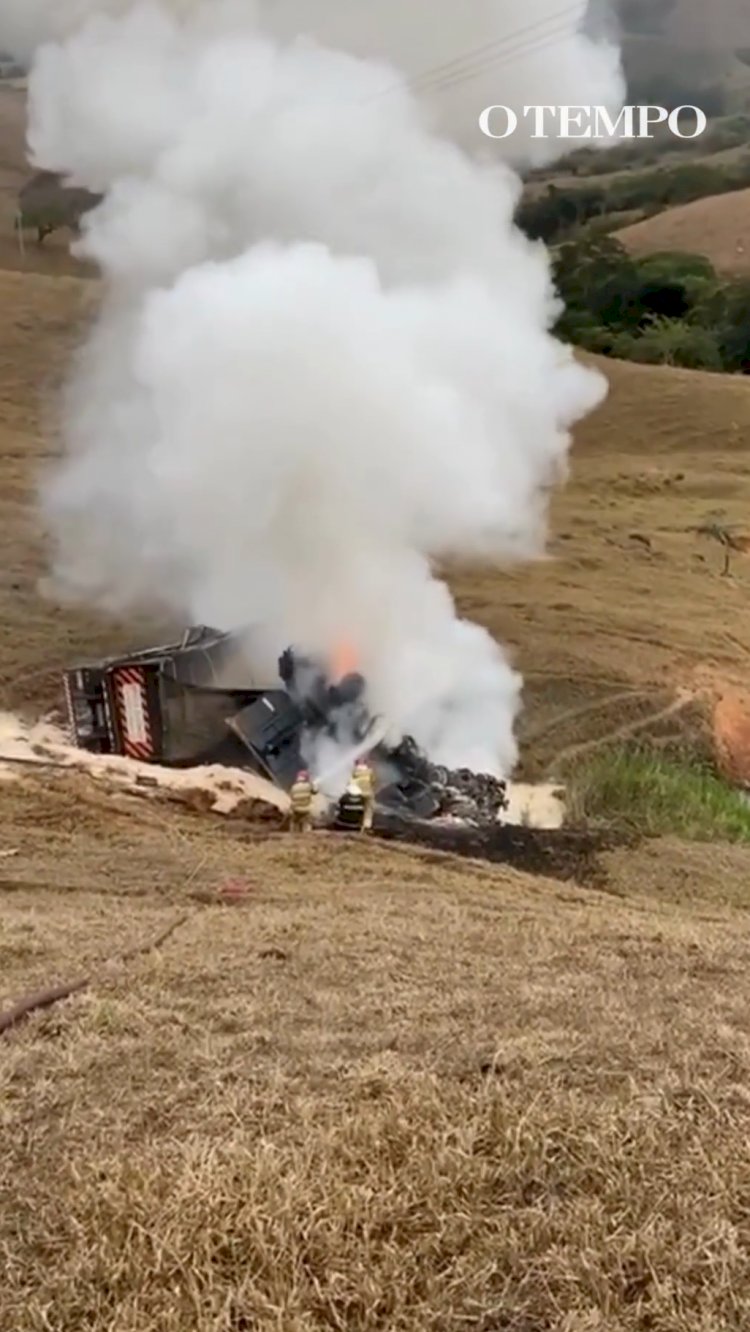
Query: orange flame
pixel 343 660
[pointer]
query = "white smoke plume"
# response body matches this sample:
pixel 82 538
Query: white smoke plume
pixel 323 360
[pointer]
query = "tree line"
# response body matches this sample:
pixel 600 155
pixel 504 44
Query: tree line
pixel 554 215
pixel 669 309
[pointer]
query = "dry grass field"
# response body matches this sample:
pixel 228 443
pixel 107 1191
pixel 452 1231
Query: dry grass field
pixel 717 227
pixel 632 606
pixel 385 1090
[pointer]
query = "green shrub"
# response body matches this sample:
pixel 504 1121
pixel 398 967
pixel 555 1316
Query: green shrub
pixel 659 796
pixel 732 324
pixel 623 346
pixel 675 342
pixel 666 308
pixel 598 276
pixel 46 204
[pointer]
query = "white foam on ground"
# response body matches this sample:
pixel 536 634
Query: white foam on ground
pixel 45 744
pixel 535 806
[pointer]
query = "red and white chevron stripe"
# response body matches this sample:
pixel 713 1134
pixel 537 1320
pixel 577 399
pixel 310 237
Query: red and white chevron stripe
pixel 131 702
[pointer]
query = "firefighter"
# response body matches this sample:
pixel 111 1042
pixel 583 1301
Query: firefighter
pixel 301 796
pixel 363 779
pixel 352 808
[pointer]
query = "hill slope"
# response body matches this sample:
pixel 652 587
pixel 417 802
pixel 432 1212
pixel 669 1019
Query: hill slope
pixel 631 595
pixel 384 1090
pixel 717 227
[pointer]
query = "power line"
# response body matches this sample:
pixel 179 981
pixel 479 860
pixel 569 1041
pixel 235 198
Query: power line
pixel 525 49
pixel 452 68
pixel 507 48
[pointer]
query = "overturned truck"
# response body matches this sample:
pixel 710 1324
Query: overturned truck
pixel 172 705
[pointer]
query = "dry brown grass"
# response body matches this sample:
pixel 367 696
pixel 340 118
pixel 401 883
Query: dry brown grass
pixel 373 1096
pixel 717 227
pixel 386 1090
pixel 631 603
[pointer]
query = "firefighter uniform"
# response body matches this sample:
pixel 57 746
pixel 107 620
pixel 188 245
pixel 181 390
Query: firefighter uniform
pixel 363 779
pixel 301 796
pixel 350 814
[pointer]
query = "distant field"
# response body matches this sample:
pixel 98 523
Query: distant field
pixel 717 227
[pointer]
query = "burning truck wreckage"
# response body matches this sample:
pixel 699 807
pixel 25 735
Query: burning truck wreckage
pixel 172 705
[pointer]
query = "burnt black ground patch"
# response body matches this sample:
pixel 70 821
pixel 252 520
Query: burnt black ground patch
pixel 569 854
